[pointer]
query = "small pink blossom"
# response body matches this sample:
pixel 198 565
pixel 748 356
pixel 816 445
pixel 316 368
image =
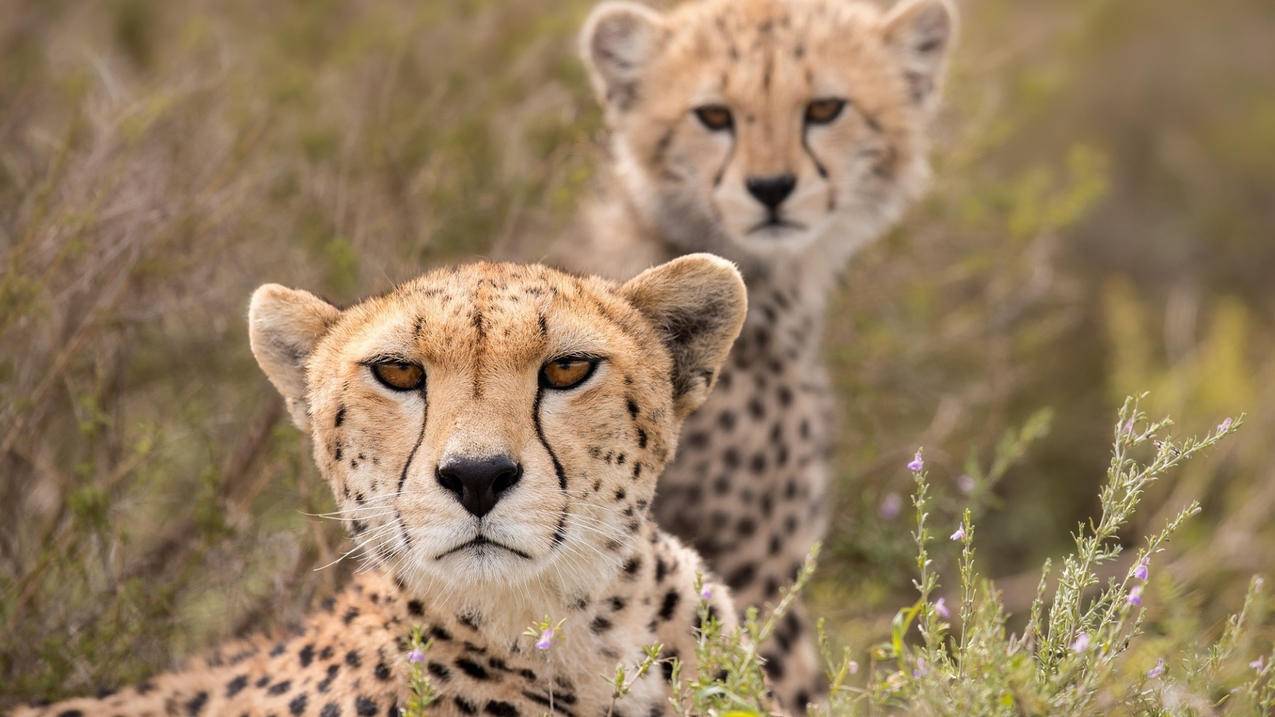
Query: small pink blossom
pixel 1257 664
pixel 1128 427
pixel 921 669
pixel 1225 425
pixel 1157 671
pixel 1081 643
pixel 959 534
pixel 1142 572
pixel 706 593
pixel 853 667
pixel 940 608
pixel 966 483
pixel 918 464
pixel 1135 596
pixel 891 506
pixel 546 639
pixel 416 656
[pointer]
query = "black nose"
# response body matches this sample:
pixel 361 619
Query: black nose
pixel 772 190
pixel 478 483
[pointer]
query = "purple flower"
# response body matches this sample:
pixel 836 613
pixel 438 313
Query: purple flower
pixel 546 639
pixel 1142 572
pixel 1225 425
pixel 1257 664
pixel 416 656
pixel 853 667
pixel 1135 596
pixel 1128 427
pixel 1157 671
pixel 959 534
pixel 1081 643
pixel 940 608
pixel 921 669
pixel 918 464
pixel 966 483
pixel 891 506
pixel 706 593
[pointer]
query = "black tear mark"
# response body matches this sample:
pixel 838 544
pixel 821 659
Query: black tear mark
pixel 540 434
pixel 805 144
pixel 420 437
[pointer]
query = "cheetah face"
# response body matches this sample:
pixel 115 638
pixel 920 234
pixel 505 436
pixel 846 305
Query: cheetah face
pixel 499 423
pixel 768 120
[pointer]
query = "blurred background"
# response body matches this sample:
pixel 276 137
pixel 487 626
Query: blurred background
pixel 1103 223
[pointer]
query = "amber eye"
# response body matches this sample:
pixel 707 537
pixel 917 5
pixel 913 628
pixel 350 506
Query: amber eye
pixel 715 117
pixel 824 110
pixel 567 372
pixel 398 375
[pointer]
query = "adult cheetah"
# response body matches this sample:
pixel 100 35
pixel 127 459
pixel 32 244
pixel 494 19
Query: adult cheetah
pixel 493 433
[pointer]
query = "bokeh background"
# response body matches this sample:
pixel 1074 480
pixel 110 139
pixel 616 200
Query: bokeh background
pixel 1103 223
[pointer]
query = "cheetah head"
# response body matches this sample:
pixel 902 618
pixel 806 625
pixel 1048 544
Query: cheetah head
pixel 755 127
pixel 498 424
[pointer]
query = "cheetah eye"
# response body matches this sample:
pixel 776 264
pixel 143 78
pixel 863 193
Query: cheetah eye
pixel 399 375
pixel 715 117
pixel 824 110
pixel 567 372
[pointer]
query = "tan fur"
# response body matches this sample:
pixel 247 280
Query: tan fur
pixel 582 547
pixel 749 485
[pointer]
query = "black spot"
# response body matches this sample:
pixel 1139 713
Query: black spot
pixel 330 710
pixel 196 703
pixel 501 709
pixel 325 653
pixel 726 419
pixel 600 625
pixel 758 463
pixel 440 671
pixel 352 658
pixel 280 687
pixel 465 706
pixel 70 713
pixel 265 680
pixel 236 685
pixel 669 606
pixel 415 607
pixel 661 569
pixel 382 671
pixel 307 655
pixel 742 576
pixel 731 458
pixel 364 706
pixel 298 703
pixel 350 615
pixel 473 669
pixel 619 494
pixel 631 567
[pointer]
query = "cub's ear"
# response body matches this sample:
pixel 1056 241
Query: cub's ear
pixel 284 326
pixel 617 42
pixel 697 303
pixel 920 33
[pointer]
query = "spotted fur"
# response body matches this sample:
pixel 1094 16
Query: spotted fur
pixel 749 485
pixel 569 539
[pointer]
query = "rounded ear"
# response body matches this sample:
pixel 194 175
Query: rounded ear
pixel 284 327
pixel 920 33
pixel 617 42
pixel 697 303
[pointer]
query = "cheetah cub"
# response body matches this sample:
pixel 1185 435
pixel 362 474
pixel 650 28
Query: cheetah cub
pixel 784 135
pixel 493 434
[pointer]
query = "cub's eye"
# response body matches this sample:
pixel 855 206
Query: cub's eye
pixel 399 376
pixel 567 372
pixel 715 117
pixel 824 110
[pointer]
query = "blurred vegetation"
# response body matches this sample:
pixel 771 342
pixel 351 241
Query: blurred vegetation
pixel 1102 223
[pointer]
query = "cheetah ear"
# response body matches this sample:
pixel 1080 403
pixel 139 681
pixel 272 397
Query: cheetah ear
pixel 284 327
pixel 697 303
pixel 617 41
pixel 920 33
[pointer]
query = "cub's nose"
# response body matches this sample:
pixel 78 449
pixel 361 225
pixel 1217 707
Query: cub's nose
pixel 478 483
pixel 772 190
